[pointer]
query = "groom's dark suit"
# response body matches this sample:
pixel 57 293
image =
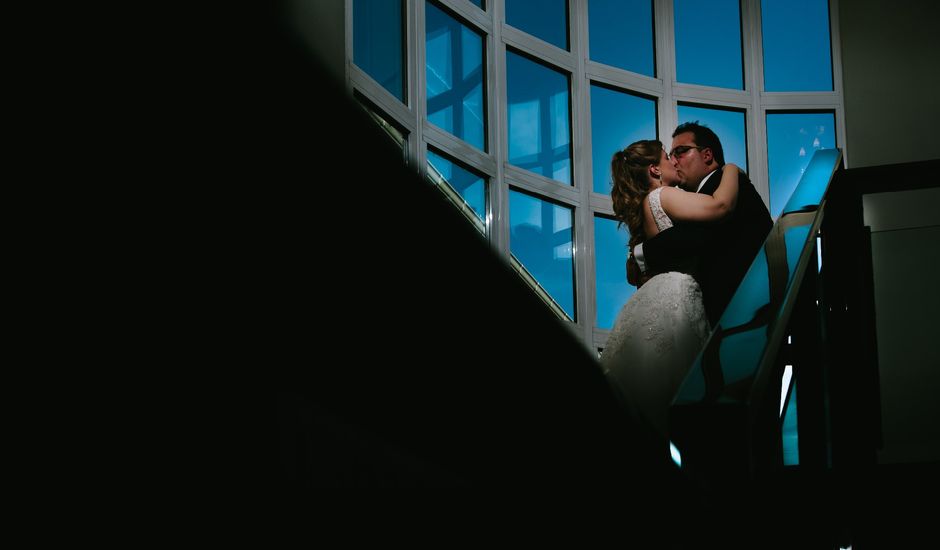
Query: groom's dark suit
pixel 724 249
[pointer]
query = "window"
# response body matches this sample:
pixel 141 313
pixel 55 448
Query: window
pixel 539 128
pixel 541 239
pixel 792 138
pixel 520 105
pixel 728 124
pixel 470 187
pixel 797 56
pixel 708 43
pixel 455 77
pixel 621 34
pixel 617 120
pixel 378 44
pixel 394 132
pixel 544 19
pixel 610 254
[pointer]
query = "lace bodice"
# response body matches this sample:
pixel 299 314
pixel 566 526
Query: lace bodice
pixel 663 221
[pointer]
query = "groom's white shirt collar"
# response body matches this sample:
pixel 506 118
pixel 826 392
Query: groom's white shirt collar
pixel 638 249
pixel 705 179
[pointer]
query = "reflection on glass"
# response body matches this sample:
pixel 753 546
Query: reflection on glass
pixel 795 238
pixel 759 297
pixel 797 55
pixel 455 77
pixel 621 34
pixel 708 43
pixel 610 252
pixel 541 239
pixel 792 138
pixel 740 353
pixel 471 187
pixel 539 123
pixel 391 129
pixel 752 294
pixel 790 435
pixel 740 341
pixel 785 384
pixel 728 125
pixel 545 19
pixel 617 120
pixel 675 454
pixel 818 254
pixel 378 45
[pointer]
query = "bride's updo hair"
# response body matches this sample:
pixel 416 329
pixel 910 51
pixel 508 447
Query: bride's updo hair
pixel 629 169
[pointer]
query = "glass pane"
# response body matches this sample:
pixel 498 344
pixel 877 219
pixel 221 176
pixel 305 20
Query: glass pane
pixel 792 138
pixel 455 77
pixel 391 129
pixel 621 34
pixel 378 44
pixel 539 119
pixel 610 251
pixel 470 187
pixel 545 19
pixel 479 4
pixel 790 432
pixel 617 120
pixel 708 43
pixel 797 56
pixel 540 237
pixel 728 125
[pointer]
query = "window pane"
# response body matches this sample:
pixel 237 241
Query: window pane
pixel 621 34
pixel 708 43
pixel 797 56
pixel 541 239
pixel 470 187
pixel 388 125
pixel 728 125
pixel 610 250
pixel 539 119
pixel 617 120
pixel 378 45
pixel 455 77
pixel 792 138
pixel 545 19
pixel 479 4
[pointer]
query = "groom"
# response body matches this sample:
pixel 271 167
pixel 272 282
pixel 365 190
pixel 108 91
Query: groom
pixel 724 249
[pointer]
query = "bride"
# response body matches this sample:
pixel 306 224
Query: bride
pixel 662 327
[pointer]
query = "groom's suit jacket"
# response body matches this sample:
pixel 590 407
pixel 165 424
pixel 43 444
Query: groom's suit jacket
pixel 724 250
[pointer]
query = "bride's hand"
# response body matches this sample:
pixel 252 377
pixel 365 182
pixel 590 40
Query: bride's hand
pixel 634 276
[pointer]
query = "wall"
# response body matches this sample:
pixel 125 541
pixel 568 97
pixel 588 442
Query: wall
pixel 321 26
pixel 905 241
pixel 890 55
pixel 890 52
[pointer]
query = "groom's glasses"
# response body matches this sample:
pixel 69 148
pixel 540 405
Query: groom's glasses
pixel 682 149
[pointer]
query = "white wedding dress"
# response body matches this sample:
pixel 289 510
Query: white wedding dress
pixel 657 335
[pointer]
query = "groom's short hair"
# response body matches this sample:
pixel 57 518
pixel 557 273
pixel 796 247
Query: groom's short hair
pixel 704 137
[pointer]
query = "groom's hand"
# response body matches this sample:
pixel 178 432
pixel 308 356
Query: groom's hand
pixel 634 276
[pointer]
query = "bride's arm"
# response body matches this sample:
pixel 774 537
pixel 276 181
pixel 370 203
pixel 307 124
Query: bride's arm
pixel 699 207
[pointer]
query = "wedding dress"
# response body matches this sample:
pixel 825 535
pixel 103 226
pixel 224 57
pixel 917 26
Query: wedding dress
pixel 657 335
